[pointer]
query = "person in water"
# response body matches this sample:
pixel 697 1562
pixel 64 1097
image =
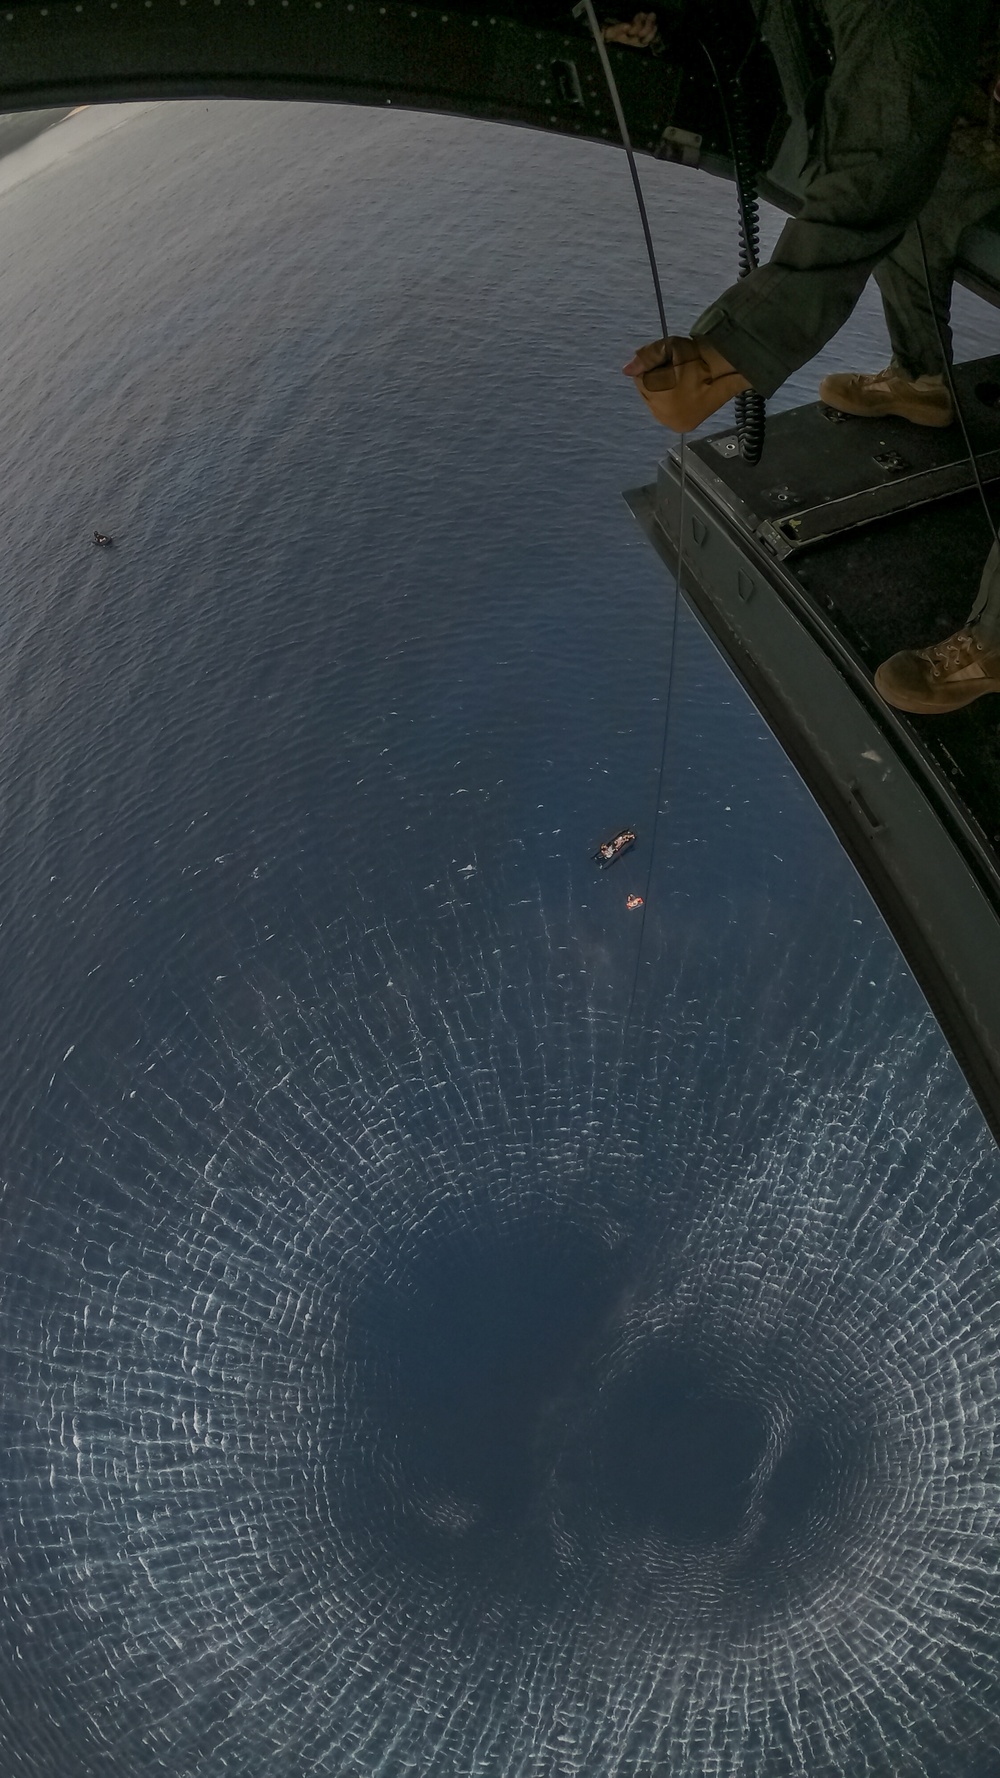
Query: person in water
pixel 894 146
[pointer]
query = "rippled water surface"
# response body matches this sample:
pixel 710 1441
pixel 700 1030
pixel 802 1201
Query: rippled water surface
pixel 409 1367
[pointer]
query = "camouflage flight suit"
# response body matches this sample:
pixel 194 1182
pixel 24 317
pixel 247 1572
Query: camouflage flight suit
pixel 900 74
pixel 966 192
pixel 968 189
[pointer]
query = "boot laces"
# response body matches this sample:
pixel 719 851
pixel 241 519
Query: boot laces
pixel 954 652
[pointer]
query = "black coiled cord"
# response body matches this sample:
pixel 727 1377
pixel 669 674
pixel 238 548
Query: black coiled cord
pixel 751 409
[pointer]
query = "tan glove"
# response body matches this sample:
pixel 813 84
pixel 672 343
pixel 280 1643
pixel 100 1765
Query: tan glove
pixel 683 381
pixel 639 33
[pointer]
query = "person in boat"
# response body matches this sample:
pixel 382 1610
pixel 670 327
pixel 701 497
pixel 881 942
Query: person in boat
pixel 611 849
pixel 633 901
pixel 894 106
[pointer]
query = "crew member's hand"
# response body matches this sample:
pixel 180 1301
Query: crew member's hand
pixel 656 364
pixel 637 34
pixel 683 381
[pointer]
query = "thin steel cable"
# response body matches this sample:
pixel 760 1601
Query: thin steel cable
pixel 952 390
pixel 663 748
pixel 586 7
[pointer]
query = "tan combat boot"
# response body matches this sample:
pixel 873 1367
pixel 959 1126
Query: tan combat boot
pixel 932 681
pixel 877 394
pixel 683 381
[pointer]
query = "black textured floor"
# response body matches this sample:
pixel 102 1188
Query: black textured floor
pixel 903 581
pixel 906 582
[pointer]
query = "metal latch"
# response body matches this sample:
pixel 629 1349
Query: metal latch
pixel 891 460
pixel 873 822
pixel 567 82
pixel 679 145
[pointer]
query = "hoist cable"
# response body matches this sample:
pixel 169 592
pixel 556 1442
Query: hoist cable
pixel 663 749
pixel 586 7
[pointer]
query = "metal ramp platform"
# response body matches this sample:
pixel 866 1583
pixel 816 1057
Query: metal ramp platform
pixel 851 539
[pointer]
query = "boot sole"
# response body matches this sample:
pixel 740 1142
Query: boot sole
pixel 942 704
pixel 888 412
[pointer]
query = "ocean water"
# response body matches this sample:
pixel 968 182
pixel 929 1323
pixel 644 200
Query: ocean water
pixel 413 1364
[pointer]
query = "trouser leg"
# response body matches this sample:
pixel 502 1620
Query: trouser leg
pixel 965 193
pixel 985 613
pixel 896 84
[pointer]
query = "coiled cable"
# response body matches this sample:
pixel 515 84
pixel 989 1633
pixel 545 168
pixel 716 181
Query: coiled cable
pixel 751 408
